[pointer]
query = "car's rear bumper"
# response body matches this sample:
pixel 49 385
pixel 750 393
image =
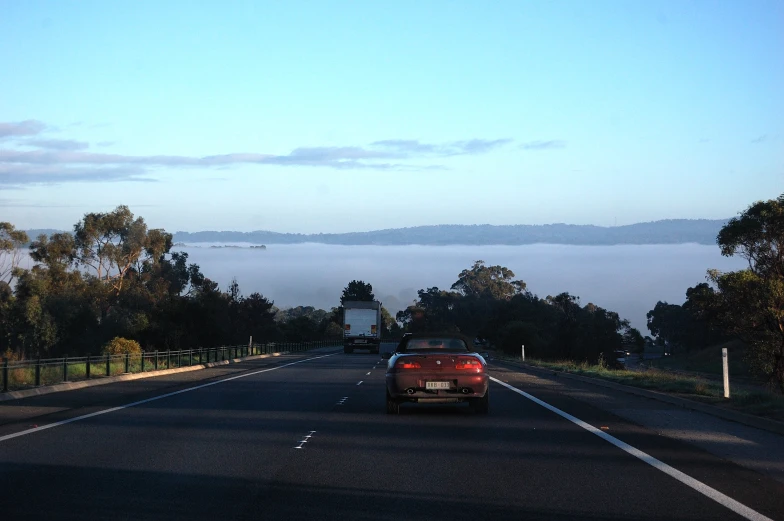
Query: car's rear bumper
pixel 413 386
pixel 370 345
pixel 361 342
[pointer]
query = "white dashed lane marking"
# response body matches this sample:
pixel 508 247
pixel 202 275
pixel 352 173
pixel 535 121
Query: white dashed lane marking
pixel 304 441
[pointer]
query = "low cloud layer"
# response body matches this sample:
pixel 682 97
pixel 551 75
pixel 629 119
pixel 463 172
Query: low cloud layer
pixel 65 160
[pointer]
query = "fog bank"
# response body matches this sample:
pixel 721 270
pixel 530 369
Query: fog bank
pixel 628 279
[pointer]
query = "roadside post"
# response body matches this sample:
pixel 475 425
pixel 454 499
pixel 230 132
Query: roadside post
pixel 522 352
pixel 250 346
pixel 725 370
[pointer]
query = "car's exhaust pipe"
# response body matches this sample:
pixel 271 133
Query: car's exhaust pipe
pixel 410 390
pixel 465 390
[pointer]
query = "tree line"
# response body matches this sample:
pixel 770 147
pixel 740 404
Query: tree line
pixel 488 303
pixel 745 305
pixel 113 277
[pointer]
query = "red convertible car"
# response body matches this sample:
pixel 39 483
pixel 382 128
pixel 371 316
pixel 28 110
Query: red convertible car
pixel 436 368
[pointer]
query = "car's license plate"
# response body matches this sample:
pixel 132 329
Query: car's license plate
pixel 437 385
pixel 360 341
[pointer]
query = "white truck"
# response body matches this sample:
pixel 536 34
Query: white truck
pixel 361 326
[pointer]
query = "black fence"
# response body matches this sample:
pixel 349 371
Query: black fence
pixel 26 374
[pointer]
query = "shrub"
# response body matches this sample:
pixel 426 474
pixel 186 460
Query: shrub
pixel 121 346
pixel 12 356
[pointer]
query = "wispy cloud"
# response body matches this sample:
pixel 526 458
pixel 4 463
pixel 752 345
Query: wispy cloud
pixel 56 144
pixel 19 203
pixel 543 145
pixel 64 160
pixel 29 127
pixel 408 147
pixel 18 175
pixel 760 139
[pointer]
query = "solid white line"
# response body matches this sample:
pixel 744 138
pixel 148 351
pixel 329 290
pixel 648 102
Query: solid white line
pixel 702 488
pixel 154 398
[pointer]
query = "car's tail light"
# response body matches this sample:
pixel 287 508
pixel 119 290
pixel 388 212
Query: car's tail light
pixel 403 364
pixel 468 363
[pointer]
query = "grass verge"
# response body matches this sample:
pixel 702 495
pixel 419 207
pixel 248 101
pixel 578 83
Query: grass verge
pixel 707 361
pixel 51 373
pixel 742 399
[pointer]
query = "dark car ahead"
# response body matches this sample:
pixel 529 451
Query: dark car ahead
pixel 619 359
pixel 436 368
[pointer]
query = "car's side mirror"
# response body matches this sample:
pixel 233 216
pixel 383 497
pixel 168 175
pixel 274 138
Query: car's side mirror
pixel 386 355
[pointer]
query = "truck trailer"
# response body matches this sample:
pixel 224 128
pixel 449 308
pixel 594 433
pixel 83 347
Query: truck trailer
pixel 361 326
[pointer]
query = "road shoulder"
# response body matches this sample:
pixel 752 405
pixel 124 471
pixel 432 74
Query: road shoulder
pixel 57 406
pixel 753 448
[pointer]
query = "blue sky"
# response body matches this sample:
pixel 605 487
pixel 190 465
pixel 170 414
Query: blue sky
pixel 351 116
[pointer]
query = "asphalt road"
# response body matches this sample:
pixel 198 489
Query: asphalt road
pixel 309 441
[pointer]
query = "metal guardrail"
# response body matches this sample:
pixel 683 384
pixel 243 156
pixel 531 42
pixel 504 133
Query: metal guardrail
pixel 25 374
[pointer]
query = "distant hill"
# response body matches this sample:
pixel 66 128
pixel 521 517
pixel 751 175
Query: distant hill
pixel 671 231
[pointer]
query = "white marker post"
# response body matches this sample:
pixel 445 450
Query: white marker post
pixel 250 346
pixel 522 352
pixel 725 370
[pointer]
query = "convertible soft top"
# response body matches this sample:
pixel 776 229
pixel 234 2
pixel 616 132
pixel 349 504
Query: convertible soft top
pixel 401 348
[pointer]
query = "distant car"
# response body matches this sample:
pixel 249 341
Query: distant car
pixel 436 368
pixel 619 359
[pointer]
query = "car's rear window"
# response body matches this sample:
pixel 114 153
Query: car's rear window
pixel 427 344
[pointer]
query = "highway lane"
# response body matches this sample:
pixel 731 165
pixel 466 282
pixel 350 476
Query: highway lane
pixel 228 451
